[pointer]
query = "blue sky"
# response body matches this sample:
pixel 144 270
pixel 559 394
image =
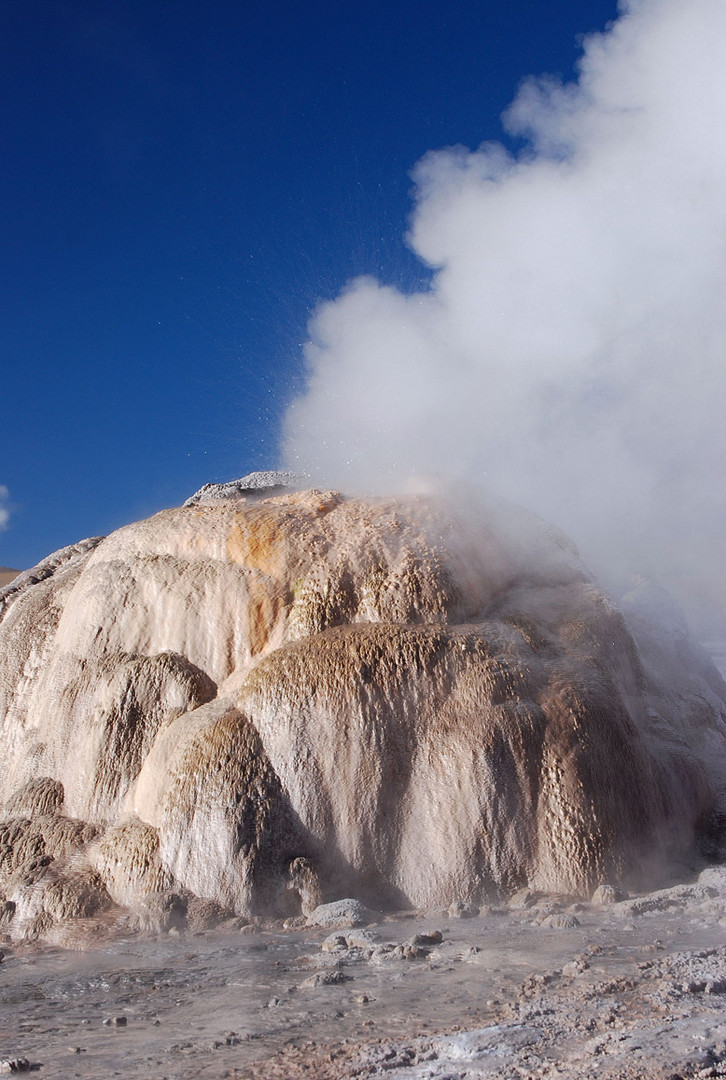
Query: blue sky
pixel 181 184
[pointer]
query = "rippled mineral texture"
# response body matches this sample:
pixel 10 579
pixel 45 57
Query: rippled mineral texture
pixel 260 703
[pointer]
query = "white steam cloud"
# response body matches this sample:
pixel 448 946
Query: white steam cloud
pixel 4 511
pixel 571 352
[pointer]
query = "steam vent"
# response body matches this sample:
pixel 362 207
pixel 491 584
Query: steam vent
pixel 268 698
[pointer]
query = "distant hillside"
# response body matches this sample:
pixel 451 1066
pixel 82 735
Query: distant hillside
pixel 7 575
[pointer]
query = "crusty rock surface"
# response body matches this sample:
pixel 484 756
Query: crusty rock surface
pixel 269 704
pixel 340 913
pixel 501 996
pixel 255 483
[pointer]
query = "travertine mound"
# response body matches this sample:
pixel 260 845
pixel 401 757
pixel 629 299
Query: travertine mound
pixel 264 704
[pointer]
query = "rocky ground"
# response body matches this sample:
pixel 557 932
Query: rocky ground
pixel 543 987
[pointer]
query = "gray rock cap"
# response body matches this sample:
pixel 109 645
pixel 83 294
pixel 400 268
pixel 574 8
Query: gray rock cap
pixel 255 483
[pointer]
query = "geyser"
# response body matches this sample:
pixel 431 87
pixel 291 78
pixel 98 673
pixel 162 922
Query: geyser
pixel 255 702
pixel 569 351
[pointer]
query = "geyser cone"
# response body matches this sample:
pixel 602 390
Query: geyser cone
pixel 267 701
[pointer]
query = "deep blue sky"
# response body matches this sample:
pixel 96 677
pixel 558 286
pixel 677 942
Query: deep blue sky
pixel 180 183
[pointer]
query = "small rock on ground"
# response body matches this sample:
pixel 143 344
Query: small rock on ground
pixel 341 913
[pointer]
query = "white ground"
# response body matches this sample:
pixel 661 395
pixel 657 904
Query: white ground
pixel 635 990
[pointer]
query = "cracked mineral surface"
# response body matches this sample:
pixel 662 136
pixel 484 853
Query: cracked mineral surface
pixel 623 991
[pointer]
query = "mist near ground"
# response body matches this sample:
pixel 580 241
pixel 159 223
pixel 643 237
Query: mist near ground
pixel 569 353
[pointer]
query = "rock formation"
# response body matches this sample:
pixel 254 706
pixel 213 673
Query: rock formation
pixel 267 482
pixel 288 697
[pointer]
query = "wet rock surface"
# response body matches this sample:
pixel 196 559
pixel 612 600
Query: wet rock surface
pixel 418 997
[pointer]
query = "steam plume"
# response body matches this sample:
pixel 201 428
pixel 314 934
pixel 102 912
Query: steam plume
pixel 570 353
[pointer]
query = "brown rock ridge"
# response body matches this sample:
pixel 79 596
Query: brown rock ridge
pixel 252 706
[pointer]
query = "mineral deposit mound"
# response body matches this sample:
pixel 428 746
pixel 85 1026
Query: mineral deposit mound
pixel 270 698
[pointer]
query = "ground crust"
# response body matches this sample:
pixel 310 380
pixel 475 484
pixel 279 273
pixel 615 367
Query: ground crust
pixel 632 989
